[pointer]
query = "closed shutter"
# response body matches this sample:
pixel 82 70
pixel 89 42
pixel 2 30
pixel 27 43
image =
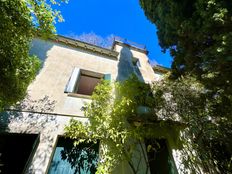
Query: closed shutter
pixel 107 77
pixel 70 87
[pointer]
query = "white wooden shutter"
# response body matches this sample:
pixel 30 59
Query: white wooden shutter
pixel 70 87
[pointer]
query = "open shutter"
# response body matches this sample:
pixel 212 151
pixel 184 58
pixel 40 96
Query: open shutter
pixel 70 87
pixel 107 77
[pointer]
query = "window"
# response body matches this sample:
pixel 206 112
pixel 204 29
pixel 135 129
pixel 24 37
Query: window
pixel 135 62
pixel 70 159
pixel 83 81
pixel 159 158
pixel 87 83
pixel 16 151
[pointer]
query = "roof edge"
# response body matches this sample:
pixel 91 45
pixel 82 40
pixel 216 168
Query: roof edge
pixel 161 69
pixel 85 45
pixel 130 46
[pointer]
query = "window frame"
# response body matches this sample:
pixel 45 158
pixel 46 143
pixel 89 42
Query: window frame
pixel 86 73
pixel 73 83
pixel 33 144
pixel 54 150
pixel 136 62
pixel 169 162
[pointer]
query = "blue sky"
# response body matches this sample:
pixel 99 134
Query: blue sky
pixel 123 18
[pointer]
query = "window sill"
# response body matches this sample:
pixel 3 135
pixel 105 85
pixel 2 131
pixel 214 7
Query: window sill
pixel 79 95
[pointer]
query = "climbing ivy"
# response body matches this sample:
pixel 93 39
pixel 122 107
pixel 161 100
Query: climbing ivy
pixel 114 120
pixel 206 140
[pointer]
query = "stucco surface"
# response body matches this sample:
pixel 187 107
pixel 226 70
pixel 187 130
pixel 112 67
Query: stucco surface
pixel 48 109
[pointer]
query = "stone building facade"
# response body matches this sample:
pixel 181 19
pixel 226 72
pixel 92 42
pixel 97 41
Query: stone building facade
pixel 70 70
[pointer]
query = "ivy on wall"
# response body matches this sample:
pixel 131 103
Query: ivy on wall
pixel 121 117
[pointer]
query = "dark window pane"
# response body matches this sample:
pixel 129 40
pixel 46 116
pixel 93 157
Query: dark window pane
pixel 15 150
pixel 160 160
pixel 87 84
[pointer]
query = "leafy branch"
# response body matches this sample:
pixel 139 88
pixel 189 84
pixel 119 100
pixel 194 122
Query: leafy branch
pixel 111 120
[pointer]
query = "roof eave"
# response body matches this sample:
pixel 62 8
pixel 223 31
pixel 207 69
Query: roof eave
pixel 87 46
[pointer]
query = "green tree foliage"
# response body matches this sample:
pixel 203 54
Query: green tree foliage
pixel 21 20
pixel 206 140
pixel 114 120
pixel 198 33
pixel 199 36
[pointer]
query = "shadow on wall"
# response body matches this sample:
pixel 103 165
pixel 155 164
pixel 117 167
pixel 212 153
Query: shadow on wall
pixel 40 48
pixel 28 115
pixel 126 67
